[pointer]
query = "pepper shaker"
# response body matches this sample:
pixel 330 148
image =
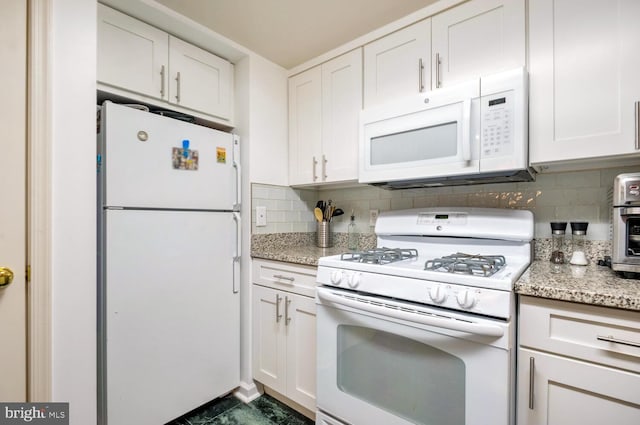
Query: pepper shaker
pixel 557 242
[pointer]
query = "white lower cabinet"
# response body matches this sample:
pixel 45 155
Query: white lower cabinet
pixel 284 332
pixel 577 364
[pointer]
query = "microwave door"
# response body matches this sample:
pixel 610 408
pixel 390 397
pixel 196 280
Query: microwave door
pixel 438 138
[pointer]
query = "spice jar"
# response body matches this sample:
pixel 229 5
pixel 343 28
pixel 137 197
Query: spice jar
pixel 557 242
pixel 578 242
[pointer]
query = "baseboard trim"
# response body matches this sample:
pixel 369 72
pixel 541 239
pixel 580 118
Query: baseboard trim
pixel 247 392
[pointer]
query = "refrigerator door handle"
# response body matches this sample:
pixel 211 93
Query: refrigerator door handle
pixel 237 254
pixel 236 166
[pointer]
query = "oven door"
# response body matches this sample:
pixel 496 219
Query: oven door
pixel 391 363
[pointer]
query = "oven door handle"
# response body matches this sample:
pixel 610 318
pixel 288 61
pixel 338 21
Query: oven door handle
pixel 440 322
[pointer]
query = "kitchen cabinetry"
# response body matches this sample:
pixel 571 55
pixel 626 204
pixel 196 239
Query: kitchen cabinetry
pixel 584 88
pixel 136 59
pixel 324 109
pixel 284 330
pixel 398 64
pixel 476 38
pixel 577 364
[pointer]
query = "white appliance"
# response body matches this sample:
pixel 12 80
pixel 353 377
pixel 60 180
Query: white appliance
pixel 417 332
pixel 168 277
pixel 472 132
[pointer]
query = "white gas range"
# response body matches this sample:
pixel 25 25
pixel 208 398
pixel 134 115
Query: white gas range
pixel 428 315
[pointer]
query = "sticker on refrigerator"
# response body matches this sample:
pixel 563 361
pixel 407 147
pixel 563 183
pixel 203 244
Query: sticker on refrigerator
pixel 221 155
pixel 185 159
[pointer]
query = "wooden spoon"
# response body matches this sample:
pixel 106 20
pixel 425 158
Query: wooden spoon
pixel 318 213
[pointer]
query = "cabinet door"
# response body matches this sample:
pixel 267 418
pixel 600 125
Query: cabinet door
pixel 571 392
pixel 341 105
pixel 477 38
pixel 300 319
pixel 398 65
pixel 269 345
pixel 305 127
pixel 583 76
pixel 131 54
pixel 199 80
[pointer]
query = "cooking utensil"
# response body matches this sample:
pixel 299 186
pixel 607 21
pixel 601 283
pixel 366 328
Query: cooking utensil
pixel 337 212
pixel 318 213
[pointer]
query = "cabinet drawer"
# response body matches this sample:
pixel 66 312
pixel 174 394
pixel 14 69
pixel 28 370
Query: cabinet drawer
pixel 288 277
pixel 597 334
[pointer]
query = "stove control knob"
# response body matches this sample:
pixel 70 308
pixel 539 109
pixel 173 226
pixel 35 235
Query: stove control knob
pixel 354 280
pixel 466 299
pixel 336 277
pixel 438 294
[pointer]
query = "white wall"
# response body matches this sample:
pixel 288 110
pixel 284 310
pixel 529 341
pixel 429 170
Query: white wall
pixel 73 207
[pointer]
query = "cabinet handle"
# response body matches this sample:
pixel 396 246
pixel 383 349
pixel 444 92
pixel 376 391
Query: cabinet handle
pixel 420 75
pixel 162 82
pixel 315 176
pixel 637 116
pixel 289 278
pixel 532 368
pixel 278 315
pixel 324 168
pixel 287 319
pixel 617 341
pixel 438 62
pixel 178 87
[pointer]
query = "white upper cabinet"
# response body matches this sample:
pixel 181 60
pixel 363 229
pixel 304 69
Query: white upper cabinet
pixel 324 109
pixel 398 65
pixel 584 84
pixel 131 54
pixel 143 63
pixel 341 105
pixel 305 126
pixel 477 38
pixel 199 80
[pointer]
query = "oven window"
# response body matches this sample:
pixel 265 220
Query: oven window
pixel 438 141
pixel 633 237
pixel 407 378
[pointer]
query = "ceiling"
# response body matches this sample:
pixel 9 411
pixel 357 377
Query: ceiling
pixel 290 32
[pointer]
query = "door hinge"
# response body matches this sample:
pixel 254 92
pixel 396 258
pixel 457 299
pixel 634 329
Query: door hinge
pixel 28 273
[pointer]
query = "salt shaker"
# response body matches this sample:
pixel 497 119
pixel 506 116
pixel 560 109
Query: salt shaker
pixel 578 240
pixel 557 242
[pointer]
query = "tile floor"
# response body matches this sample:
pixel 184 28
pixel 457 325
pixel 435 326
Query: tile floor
pixel 229 410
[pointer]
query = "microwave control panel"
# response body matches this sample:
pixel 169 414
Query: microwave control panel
pixel 497 124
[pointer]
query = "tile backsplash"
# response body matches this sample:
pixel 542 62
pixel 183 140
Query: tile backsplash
pixel 570 196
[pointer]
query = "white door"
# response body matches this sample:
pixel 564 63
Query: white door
pixel 305 127
pixel 584 79
pixel 477 38
pixel 573 392
pixel 341 106
pixel 144 162
pixel 398 65
pixel 199 80
pixel 269 345
pixel 13 326
pixel 300 328
pixel 172 314
pixel 142 65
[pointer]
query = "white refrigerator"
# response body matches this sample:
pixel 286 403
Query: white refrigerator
pixel 168 266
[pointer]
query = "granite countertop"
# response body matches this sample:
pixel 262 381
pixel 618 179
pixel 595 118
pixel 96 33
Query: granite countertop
pixel 591 284
pixel 307 255
pixel 594 285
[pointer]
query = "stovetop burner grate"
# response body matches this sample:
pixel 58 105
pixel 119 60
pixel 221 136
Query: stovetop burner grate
pixel 478 265
pixel 380 255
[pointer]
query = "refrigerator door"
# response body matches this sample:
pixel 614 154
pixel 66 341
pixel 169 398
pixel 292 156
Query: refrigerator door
pixel 151 161
pixel 172 314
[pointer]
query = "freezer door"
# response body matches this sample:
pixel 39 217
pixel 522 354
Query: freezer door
pixel 172 316
pixel 151 161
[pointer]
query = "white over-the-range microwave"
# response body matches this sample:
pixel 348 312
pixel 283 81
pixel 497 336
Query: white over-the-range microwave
pixel 472 132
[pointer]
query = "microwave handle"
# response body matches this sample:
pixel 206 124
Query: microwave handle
pixel 466 130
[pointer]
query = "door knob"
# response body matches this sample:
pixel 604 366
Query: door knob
pixel 6 277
